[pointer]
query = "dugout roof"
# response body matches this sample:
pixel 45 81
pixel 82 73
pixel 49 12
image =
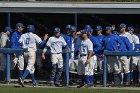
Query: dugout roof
pixel 71 7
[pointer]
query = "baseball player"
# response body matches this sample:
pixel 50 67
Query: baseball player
pixel 28 42
pixel 86 64
pixel 55 43
pixel 17 58
pixel 136 59
pixel 99 53
pixel 96 46
pixel 74 47
pixel 124 59
pixel 110 43
pixel 4 43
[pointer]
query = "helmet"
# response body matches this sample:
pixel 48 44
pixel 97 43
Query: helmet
pixel 57 29
pixel 73 29
pixel 30 28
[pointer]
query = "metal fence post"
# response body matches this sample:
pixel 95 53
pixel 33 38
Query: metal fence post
pixel 7 67
pixel 105 71
pixel 67 68
pixel 75 20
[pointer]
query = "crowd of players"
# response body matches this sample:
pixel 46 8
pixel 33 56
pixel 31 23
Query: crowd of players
pixel 85 49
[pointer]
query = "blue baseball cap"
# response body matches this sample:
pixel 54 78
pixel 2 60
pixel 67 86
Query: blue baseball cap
pixel 87 26
pixel 73 29
pixel 30 28
pixel 57 29
pixel 89 29
pixel 19 25
pixel 85 31
pixel 130 29
pixel 98 28
pixel 68 26
pixel 8 29
pixel 108 28
pixel 122 26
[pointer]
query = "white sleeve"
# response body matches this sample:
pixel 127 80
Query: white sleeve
pixel 64 42
pixel 38 39
pixel 49 42
pixel 3 42
pixel 136 40
pixel 90 46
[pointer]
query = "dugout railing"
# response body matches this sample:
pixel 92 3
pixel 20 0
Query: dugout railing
pixel 8 52
pixel 116 53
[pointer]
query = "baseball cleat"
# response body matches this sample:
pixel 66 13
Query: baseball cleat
pixel 21 82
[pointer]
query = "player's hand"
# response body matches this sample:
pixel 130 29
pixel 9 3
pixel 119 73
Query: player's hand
pixel 43 56
pixel 88 61
pixel 102 55
pixel 46 36
pixel 68 49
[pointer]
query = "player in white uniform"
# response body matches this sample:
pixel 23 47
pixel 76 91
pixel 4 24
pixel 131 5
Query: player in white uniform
pixel 4 43
pixel 86 64
pixel 28 42
pixel 136 59
pixel 124 59
pixel 55 43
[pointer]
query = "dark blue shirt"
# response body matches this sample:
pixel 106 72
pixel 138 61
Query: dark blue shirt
pixel 15 40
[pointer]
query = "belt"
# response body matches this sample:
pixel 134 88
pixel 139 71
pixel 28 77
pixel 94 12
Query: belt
pixel 83 55
pixel 56 53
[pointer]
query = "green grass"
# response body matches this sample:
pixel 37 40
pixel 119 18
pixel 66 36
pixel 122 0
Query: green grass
pixel 7 89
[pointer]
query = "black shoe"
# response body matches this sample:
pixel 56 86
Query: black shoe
pixel 21 82
pixel 81 85
pixel 35 84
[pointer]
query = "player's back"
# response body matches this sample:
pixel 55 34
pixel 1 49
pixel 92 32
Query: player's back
pixel 4 40
pixel 29 40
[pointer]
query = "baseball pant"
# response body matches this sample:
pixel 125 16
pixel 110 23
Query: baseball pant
pixel 112 64
pixel 86 69
pixel 2 62
pixel 30 58
pixel 18 60
pixel 57 59
pixel 135 62
pixel 124 64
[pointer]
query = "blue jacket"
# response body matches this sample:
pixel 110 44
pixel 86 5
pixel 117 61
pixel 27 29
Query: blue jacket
pixel 77 47
pixel 14 40
pixel 100 39
pixel 111 43
pixel 127 44
pixel 96 45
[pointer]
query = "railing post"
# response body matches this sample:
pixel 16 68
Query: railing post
pixel 7 67
pixel 105 71
pixel 67 68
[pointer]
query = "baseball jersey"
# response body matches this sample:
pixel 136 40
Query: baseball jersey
pixel 29 40
pixel 111 43
pixel 86 46
pixel 96 44
pixel 56 44
pixel 4 40
pixel 135 41
pixel 128 35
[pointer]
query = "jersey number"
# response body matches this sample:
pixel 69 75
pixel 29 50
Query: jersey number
pixel 27 40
